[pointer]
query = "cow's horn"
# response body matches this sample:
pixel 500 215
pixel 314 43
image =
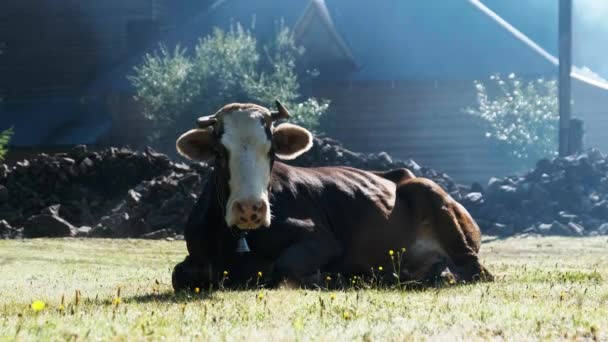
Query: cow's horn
pixel 206 121
pixel 281 112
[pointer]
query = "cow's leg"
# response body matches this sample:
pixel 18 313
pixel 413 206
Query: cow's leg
pixel 299 264
pixel 443 222
pixel 189 274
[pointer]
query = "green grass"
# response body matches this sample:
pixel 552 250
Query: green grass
pixel 550 288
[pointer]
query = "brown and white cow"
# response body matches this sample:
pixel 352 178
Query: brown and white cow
pixel 302 222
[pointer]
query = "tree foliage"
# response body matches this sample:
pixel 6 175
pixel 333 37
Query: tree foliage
pixel 5 136
pixel 522 118
pixel 174 87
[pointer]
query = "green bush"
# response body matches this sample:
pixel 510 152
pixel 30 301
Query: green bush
pixel 5 136
pixel 522 119
pixel 175 87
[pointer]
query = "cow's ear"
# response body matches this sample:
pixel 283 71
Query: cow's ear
pixel 196 144
pixel 290 141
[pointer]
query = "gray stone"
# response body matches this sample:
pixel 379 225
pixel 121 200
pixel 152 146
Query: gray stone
pixel 576 229
pixel 159 234
pixel 133 197
pixel 83 231
pixel 474 197
pixel 85 164
pixel 52 210
pixel 544 228
pixel 603 229
pixel 181 167
pixel 6 231
pixel 4 171
pixel 565 217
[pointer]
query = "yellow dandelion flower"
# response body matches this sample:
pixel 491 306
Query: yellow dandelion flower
pixel 116 301
pixel 260 296
pixel 452 281
pixel 38 305
pixel 346 315
pixel 328 278
pixel 332 296
pixel 197 290
pixel 260 274
pixel 225 273
pixel 391 252
pixel 61 307
pixel 380 268
pixel 402 249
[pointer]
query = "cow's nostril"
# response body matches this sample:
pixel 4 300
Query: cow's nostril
pixel 254 217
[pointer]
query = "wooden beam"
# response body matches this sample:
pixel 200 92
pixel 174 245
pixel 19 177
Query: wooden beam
pixel 565 67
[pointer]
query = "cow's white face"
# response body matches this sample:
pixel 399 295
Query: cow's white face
pixel 244 148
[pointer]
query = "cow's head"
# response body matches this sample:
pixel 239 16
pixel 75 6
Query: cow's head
pixel 243 142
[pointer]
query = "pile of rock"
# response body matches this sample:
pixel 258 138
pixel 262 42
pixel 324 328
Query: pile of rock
pixel 52 195
pixel 563 196
pixel 118 192
pixel 329 152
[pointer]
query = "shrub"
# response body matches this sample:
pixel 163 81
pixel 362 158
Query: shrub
pixel 174 87
pixel 522 119
pixel 5 136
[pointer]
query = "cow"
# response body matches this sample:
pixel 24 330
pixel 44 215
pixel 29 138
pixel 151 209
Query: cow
pixel 302 223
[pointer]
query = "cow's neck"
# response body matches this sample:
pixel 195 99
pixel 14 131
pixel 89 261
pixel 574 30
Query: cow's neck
pixel 220 185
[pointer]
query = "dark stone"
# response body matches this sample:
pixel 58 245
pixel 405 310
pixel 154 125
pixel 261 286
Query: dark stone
pixel 544 166
pixel 3 193
pixel 600 210
pixel 78 152
pixel 158 220
pixel 476 187
pixel 45 225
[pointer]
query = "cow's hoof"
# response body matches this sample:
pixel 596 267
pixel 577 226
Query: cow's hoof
pixel 187 276
pixel 440 275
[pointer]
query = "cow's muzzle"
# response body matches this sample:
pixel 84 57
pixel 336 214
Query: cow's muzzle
pixel 250 214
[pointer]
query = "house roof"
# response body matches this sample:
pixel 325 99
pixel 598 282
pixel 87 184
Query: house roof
pixel 589 27
pixel 387 40
pixel 437 39
pixel 56 122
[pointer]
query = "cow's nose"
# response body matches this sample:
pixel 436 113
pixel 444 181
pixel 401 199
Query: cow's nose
pixel 249 213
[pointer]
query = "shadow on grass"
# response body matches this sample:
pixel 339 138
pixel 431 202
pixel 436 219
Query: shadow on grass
pixel 169 297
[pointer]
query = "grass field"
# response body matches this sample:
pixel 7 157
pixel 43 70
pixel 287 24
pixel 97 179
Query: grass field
pixel 547 288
